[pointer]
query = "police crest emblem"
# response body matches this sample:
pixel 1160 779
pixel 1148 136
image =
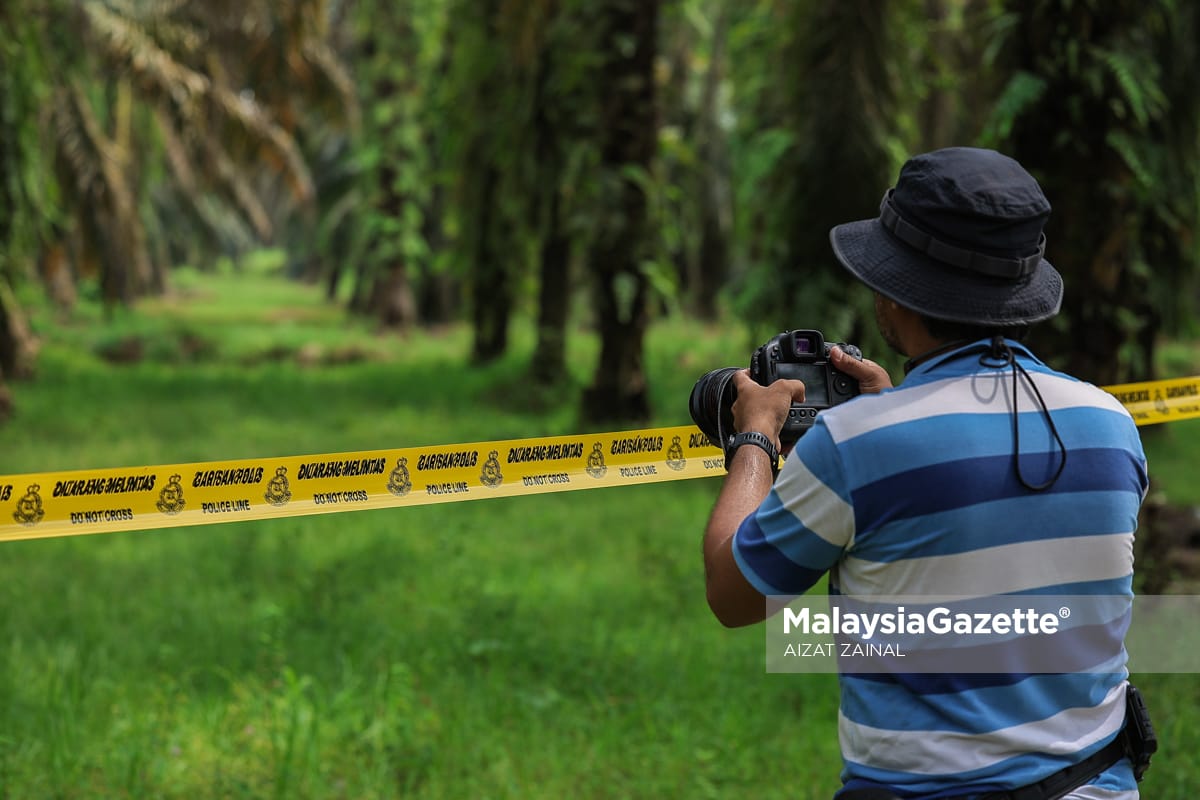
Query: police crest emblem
pixel 279 491
pixel 29 507
pixel 491 476
pixel 170 499
pixel 595 462
pixel 675 459
pixel 399 481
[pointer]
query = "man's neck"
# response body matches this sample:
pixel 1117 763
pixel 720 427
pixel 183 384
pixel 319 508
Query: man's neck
pixel 936 348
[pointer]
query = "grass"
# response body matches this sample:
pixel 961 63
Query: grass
pixel 549 646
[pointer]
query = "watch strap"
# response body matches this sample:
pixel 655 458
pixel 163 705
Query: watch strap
pixel 758 440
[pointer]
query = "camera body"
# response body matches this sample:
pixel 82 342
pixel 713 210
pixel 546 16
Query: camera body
pixel 804 355
pixel 796 355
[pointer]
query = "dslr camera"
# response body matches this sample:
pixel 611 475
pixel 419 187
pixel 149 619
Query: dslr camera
pixel 801 355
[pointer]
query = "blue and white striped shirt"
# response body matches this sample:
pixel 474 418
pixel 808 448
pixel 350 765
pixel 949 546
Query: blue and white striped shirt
pixel 913 492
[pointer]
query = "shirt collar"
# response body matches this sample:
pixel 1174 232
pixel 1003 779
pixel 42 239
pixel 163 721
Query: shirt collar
pixel 920 372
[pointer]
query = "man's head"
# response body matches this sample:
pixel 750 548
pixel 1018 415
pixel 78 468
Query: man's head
pixel 959 242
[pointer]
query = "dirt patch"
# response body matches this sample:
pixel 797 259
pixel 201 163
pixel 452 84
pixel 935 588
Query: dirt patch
pixel 128 350
pixel 313 355
pixel 297 314
pixel 183 347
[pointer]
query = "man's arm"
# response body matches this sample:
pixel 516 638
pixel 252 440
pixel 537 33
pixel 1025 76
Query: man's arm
pixel 733 600
pixel 730 596
pixel 758 408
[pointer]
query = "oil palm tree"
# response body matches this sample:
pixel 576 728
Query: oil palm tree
pixel 207 98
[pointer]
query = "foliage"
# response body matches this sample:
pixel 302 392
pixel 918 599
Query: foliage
pixel 138 91
pixel 28 203
pixel 692 203
pixel 1101 105
pixel 435 161
pixel 816 146
pixel 394 49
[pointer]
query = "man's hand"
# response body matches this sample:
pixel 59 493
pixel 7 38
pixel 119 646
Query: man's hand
pixel 763 408
pixel 872 378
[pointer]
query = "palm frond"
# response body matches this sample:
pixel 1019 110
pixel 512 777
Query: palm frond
pixel 104 202
pixel 192 93
pixel 331 72
pixel 1022 92
pixel 1137 77
pixel 243 193
pixel 256 120
pixel 177 153
pixel 128 44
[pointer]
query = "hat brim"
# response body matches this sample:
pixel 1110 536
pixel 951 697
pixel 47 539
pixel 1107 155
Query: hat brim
pixel 939 290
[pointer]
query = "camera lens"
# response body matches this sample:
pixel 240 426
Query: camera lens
pixel 711 404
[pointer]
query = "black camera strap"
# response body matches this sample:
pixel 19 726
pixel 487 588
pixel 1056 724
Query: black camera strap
pixel 999 355
pixel 1002 353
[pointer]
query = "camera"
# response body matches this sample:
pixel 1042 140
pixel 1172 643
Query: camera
pixel 801 355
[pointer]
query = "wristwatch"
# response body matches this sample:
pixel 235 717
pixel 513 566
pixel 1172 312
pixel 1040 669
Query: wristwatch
pixel 758 440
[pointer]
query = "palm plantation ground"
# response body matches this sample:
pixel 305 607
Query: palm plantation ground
pixel 517 648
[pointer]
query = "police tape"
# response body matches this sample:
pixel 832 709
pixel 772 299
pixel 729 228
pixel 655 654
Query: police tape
pixel 108 500
pixel 1152 402
pixel 50 504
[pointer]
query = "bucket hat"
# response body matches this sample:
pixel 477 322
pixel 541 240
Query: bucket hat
pixel 959 237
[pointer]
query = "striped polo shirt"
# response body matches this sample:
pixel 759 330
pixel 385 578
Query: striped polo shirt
pixel 913 492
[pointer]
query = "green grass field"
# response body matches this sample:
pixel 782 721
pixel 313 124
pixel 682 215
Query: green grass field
pixel 549 646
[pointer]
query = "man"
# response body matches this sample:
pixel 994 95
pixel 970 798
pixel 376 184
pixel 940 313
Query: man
pixel 983 473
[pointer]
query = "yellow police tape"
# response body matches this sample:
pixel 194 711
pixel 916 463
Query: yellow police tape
pixel 1159 401
pixel 108 500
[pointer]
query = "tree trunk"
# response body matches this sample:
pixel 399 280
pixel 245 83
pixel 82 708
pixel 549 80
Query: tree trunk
pixel 628 139
pixel 360 296
pixel 554 295
pixel 439 290
pixel 56 274
pixel 619 392
pixel 936 111
pixel 392 300
pixel 18 346
pixel 389 57
pixel 10 347
pixel 393 303
pixel 712 262
pixel 492 301
pixel 554 299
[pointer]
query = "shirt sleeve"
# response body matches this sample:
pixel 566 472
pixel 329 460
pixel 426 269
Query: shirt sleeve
pixel 803 526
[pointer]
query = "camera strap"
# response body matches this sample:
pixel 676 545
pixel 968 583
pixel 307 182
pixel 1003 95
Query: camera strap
pixel 999 351
pixel 999 355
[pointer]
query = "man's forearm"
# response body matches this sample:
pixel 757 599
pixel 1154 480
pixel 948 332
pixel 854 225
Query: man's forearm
pixel 749 481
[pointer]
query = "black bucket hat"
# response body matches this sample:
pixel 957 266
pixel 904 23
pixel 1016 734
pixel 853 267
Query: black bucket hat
pixel 958 238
